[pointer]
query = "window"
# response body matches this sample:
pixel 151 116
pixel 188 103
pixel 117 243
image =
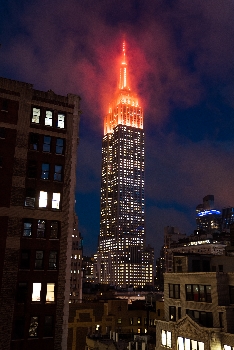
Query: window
pixel 25 260
pixel 50 292
pixel 48 118
pixel 204 318
pixel 22 291
pixel 46 144
pixel 56 201
pixel 59 146
pixel 27 232
pixel 36 115
pixel 172 313
pixel 198 292
pixel 53 260
pixel 189 344
pixel 29 198
pixel 231 293
pixel 131 320
pixel 179 312
pixel 2 133
pixel 34 142
pixel 40 228
pixel 61 121
pixel 33 327
pixel 45 168
pixel 36 292
pixel 58 172
pixel 139 320
pixel 39 260
pixel 119 320
pixel 174 291
pixel 54 229
pixel 32 169
pixel 4 106
pixel 220 268
pixel 18 330
pixel 166 338
pixel 43 199
pixel 48 326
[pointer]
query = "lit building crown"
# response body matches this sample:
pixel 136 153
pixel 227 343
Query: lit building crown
pixel 125 109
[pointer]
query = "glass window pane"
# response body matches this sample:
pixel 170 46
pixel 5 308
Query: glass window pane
pixel 59 146
pixel 54 229
pixel 53 260
pixel 56 201
pixel 58 172
pixel 36 115
pixel 46 144
pixel 39 260
pixel 27 229
pixel 164 338
pixel 43 199
pixel 61 120
pixel 50 292
pixel 33 327
pixel 48 326
pixel 45 168
pixel 33 143
pixel 36 293
pixel 41 228
pixel 48 118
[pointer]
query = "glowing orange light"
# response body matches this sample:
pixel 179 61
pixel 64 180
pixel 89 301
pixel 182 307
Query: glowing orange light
pixel 124 109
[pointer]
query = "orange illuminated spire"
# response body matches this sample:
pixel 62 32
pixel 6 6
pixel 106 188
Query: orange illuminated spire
pixel 123 70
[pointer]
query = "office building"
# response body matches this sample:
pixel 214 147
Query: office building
pixel 122 259
pixel 208 219
pixel 38 151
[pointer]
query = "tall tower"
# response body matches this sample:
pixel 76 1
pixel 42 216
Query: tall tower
pixel 122 257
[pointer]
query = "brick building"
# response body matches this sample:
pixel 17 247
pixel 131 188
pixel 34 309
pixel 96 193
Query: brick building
pixel 38 151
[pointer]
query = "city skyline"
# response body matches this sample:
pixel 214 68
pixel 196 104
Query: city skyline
pixel 181 63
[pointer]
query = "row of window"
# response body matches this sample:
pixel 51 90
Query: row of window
pixel 41 260
pixel 46 173
pixel 43 200
pixel 39 292
pixel 194 292
pixel 204 318
pixel 48 118
pixel 40 228
pixel 46 143
pixel 43 326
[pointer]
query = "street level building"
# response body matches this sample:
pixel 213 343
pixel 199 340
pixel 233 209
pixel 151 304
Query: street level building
pixel 122 258
pixel 38 151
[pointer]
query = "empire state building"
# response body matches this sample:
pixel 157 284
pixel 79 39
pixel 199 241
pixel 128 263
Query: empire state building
pixel 122 258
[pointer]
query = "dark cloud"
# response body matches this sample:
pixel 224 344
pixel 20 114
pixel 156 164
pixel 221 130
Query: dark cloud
pixel 180 58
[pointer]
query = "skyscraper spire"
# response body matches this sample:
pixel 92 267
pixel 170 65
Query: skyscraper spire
pixel 123 70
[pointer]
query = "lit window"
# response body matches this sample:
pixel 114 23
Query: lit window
pixel 61 120
pixel 27 229
pixel 46 144
pixel 48 118
pixel 43 199
pixel 59 146
pixel 41 228
pixel 33 327
pixel 36 115
pixel 45 168
pixel 53 260
pixel 36 292
pixel 58 172
pixel 56 201
pixel 50 292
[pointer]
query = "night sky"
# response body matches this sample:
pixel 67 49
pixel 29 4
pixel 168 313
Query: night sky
pixel 181 63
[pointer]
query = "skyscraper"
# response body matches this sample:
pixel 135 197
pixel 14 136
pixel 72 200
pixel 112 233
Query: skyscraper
pixel 123 259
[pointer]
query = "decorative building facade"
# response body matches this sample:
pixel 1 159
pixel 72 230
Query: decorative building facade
pixel 38 151
pixel 122 258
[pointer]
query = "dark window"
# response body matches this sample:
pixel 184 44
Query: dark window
pixel 18 329
pixel 39 260
pixel 174 291
pixel 59 146
pixel 204 318
pixel 34 142
pixel 231 293
pixel 54 229
pixel 2 133
pixel 220 268
pixel 48 326
pixel 172 313
pixel 58 172
pixel 41 228
pixel 22 291
pixel 131 320
pixel 196 266
pixel 4 106
pixel 32 169
pixel 46 144
pixel 221 319
pixel 179 312
pixel 33 327
pixel 197 292
pixel 53 260
pixel 45 169
pixel 27 228
pixel 25 260
pixel 158 312
pixel 30 198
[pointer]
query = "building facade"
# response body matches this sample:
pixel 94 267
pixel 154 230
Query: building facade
pixel 38 152
pixel 122 259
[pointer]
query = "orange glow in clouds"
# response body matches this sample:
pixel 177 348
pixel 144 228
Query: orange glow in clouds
pixel 124 109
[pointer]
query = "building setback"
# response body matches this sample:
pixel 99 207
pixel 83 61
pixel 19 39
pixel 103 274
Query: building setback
pixel 122 258
pixel 38 150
